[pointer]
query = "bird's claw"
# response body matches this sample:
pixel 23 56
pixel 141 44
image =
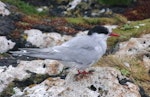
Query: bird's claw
pixel 84 72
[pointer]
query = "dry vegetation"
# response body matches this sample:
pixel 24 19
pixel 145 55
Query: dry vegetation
pixel 136 71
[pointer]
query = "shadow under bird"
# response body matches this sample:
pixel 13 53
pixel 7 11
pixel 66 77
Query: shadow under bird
pixel 80 52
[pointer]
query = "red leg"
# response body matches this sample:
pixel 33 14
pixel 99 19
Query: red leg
pixel 83 72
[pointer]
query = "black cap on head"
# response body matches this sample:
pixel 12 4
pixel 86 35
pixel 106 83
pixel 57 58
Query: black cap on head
pixel 99 30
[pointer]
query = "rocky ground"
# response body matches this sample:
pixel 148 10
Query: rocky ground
pixel 126 74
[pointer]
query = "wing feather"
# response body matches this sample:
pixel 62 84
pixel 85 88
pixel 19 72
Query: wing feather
pixel 75 50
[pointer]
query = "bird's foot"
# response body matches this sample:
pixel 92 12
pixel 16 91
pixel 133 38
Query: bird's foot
pixel 84 72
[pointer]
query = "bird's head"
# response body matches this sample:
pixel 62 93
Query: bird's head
pixel 101 31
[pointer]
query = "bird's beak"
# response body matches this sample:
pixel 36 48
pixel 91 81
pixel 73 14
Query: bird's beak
pixel 114 34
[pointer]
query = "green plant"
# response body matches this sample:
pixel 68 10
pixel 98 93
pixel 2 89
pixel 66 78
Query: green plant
pixel 24 7
pixel 115 2
pixel 125 72
pixel 92 21
pixel 116 19
pixel 127 27
pixel 78 20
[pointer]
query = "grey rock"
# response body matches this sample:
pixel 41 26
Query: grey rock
pixel 44 28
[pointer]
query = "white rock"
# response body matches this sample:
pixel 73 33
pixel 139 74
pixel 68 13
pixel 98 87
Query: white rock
pixel 105 10
pixel 3 10
pixel 141 24
pixel 42 8
pixel 52 39
pixel 110 27
pixel 49 88
pixel 134 46
pixel 2 68
pixel 18 91
pixel 39 9
pixel 43 40
pixel 102 10
pixel 126 64
pixel 35 37
pixel 146 36
pixel 41 66
pixel 103 82
pixel 7 75
pixel 137 27
pixel 5 44
pixel 73 4
pixel 65 38
pixel 82 33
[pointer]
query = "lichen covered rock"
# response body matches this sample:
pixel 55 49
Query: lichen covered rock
pixel 136 47
pixel 25 69
pixel 102 82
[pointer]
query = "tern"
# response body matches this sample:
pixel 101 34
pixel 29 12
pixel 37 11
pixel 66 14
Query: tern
pixel 80 52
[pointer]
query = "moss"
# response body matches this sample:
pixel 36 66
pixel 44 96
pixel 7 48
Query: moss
pixel 92 21
pixel 78 20
pixel 8 91
pixel 116 19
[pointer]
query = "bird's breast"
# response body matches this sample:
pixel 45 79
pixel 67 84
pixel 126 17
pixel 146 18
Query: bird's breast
pixel 97 48
pixel 100 50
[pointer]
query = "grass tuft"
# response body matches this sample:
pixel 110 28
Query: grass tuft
pixel 135 71
pixel 116 19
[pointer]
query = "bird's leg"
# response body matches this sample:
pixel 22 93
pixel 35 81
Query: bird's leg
pixel 83 74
